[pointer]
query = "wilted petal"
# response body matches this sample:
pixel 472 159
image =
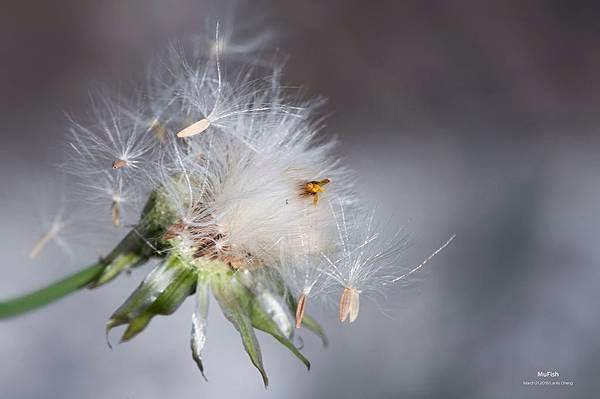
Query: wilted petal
pixel 199 323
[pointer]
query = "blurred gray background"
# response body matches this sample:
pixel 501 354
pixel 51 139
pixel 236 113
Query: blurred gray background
pixel 474 117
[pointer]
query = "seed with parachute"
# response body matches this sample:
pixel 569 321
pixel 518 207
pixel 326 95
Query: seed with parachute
pixel 119 163
pixel 195 128
pixel 349 305
pixel 300 310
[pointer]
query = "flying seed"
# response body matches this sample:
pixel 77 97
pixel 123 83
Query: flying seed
pixel 300 310
pixel 349 305
pixel 119 163
pixel 195 128
pixel 116 213
pixel 42 242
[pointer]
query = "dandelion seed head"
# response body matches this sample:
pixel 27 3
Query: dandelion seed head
pixel 249 183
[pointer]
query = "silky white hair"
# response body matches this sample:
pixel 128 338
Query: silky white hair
pixel 238 182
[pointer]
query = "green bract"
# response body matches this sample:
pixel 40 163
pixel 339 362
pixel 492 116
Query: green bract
pixel 251 299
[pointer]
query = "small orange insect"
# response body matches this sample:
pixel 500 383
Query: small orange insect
pixel 315 187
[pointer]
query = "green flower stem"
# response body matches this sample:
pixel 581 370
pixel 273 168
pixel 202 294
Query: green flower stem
pixel 132 251
pixel 51 293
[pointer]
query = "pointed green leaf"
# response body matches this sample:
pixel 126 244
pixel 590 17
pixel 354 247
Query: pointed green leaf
pixel 236 309
pixel 307 322
pixel 161 292
pixel 267 298
pixel 261 320
pixel 121 262
pixel 136 326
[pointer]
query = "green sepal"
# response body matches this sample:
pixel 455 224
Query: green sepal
pixel 121 260
pixel 235 303
pixel 142 242
pixel 161 293
pixel 307 322
pixel 268 298
pixel 262 321
pixel 136 326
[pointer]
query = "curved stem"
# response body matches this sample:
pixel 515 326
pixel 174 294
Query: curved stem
pixel 51 293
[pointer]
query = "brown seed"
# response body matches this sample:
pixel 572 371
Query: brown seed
pixel 119 163
pixel 300 310
pixel 194 128
pixel 116 214
pixel 345 304
pixel 349 305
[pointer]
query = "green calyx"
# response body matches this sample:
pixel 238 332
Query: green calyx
pixel 244 310
pixel 250 299
pixel 141 243
pixel 163 290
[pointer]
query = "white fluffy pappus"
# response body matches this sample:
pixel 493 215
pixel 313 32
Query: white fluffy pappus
pixel 303 270
pixel 54 231
pixel 115 138
pixel 113 154
pixel 63 221
pixel 210 97
pixel 245 199
pixel 366 260
pixel 249 178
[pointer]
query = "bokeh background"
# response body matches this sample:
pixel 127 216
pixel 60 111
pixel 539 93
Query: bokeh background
pixel 470 117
